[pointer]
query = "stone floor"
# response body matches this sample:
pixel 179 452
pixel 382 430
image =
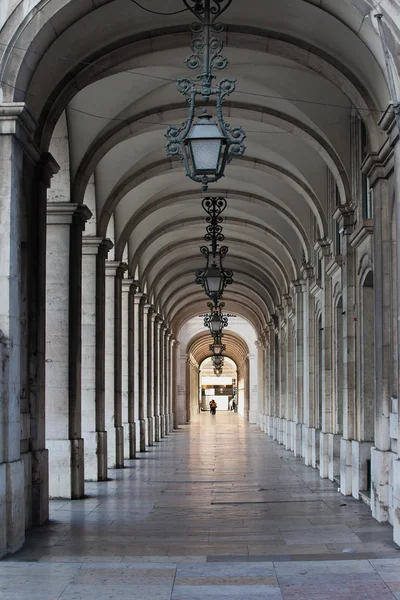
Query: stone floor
pixel 214 511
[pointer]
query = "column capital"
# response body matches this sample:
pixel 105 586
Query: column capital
pixel 93 245
pixel 17 121
pixel 307 270
pixel 48 166
pixel 127 284
pixel 149 309
pixel 138 297
pixel 323 246
pixel 63 213
pixel 114 268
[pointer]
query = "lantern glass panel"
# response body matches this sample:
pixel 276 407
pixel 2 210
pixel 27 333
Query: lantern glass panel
pixel 206 154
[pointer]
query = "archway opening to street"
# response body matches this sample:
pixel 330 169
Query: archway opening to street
pixel 221 388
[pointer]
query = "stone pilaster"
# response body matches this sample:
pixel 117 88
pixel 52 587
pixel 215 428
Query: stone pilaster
pixel 16 150
pixel 37 486
pixel 299 290
pixel 345 217
pixel 156 383
pixel 150 375
pixel 309 367
pixel 136 364
pixel 65 224
pixel 143 377
pixel 128 422
pixel 94 251
pixel 132 394
pixel 113 402
pixel 162 380
pixel 176 353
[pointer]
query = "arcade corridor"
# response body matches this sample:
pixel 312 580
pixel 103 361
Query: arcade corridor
pixel 216 510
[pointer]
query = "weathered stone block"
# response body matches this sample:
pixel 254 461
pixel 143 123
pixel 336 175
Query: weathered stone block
pixel 380 484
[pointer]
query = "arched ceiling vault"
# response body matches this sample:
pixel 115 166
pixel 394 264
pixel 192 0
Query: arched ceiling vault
pixel 103 73
pixel 237 349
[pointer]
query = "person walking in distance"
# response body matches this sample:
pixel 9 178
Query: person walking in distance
pixel 213 407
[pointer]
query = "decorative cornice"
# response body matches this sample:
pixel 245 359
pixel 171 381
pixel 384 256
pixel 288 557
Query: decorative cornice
pixel 334 266
pixel 63 213
pixel 363 231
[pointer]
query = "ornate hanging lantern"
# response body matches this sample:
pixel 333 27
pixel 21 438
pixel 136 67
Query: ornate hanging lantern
pixel 205 146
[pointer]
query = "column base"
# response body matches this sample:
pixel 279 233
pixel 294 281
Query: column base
pixel 111 448
pixel 307 445
pixel 93 455
pixel 12 507
pixel 127 453
pixel 396 501
pixel 275 428
pixel 66 468
pixel 102 444
pixel 157 428
pixel 40 487
pixel 270 423
pixel 297 439
pixel 119 436
pixel 324 454
pixel 171 423
pixel 150 431
pixel 142 430
pixel 346 458
pixel 380 469
pixel 137 436
pixel 361 465
pixel 132 441
pixel 288 435
pixel 162 426
pixel 265 428
pixel 333 455
pixel 315 439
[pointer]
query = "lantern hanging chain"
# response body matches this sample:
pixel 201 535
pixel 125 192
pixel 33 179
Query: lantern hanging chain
pixel 214 207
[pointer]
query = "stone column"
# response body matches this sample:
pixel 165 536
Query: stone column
pixel 267 396
pixel 65 224
pixel 169 418
pixel 113 401
pixel 94 251
pixel 156 362
pixel 175 360
pixel 143 364
pixel 162 380
pixel 289 375
pixel 326 441
pixel 150 375
pixel 132 393
pixel 271 416
pixel 127 421
pixel 136 364
pixel 37 469
pixel 309 364
pixel 16 127
pixel 345 218
pixel 380 454
pixel 299 289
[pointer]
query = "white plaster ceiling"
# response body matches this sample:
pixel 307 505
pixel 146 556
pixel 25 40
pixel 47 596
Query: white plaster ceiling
pixel 300 66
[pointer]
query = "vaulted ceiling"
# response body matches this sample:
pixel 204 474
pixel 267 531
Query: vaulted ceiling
pixel 105 76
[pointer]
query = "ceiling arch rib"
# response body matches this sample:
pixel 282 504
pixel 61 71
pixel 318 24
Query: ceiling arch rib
pixel 258 319
pixel 193 223
pixel 41 46
pixel 243 268
pixel 178 278
pixel 293 126
pixel 237 349
pixel 147 209
pixel 239 289
pixel 177 249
